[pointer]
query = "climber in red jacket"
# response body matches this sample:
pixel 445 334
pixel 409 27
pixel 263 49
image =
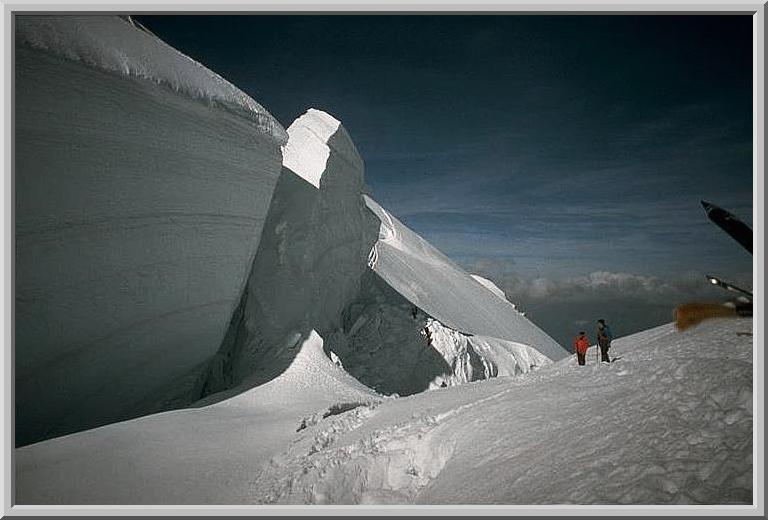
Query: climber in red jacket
pixel 580 345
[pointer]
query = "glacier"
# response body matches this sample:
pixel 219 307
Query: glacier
pixel 311 257
pixel 122 46
pixel 212 309
pixel 172 237
pixel 312 271
pixel 143 182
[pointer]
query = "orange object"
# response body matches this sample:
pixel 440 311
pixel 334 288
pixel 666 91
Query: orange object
pixel 581 344
pixel 690 314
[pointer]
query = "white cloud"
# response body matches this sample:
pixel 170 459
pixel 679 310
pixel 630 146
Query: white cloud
pixel 598 284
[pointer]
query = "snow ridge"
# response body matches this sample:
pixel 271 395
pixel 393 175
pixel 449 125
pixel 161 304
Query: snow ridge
pixel 432 282
pixel 488 284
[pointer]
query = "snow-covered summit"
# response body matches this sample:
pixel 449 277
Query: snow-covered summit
pixel 190 235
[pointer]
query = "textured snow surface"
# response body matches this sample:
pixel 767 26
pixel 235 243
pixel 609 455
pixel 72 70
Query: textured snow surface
pixel 138 213
pixel 479 357
pixel 121 46
pixel 431 281
pixel 668 423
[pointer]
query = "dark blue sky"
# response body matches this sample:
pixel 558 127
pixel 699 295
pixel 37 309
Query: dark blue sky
pixel 532 149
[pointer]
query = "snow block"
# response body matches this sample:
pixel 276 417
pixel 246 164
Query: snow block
pixel 310 140
pixel 119 45
pixel 143 181
pixel 311 256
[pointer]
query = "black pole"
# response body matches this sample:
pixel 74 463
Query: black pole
pixel 731 224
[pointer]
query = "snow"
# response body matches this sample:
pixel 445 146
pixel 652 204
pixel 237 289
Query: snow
pixel 311 272
pixel 488 284
pixel 432 282
pixel 139 210
pixel 121 46
pixel 176 247
pixel 668 423
pixel 310 139
pixel 310 260
pixel 383 345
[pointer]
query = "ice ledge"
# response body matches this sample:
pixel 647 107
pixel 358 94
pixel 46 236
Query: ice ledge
pixel 120 45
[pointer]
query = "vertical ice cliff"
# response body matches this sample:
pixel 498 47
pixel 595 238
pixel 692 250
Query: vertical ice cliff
pixel 142 184
pixel 311 258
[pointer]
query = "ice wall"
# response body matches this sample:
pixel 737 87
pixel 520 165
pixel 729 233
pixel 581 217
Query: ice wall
pixel 121 46
pixel 142 184
pixel 311 257
pixel 172 237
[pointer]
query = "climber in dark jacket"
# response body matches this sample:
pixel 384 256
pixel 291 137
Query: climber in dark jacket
pixel 604 338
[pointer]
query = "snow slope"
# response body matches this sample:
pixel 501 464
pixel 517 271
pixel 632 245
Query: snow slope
pixel 206 455
pixel 668 423
pixel 432 282
pixel 143 181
